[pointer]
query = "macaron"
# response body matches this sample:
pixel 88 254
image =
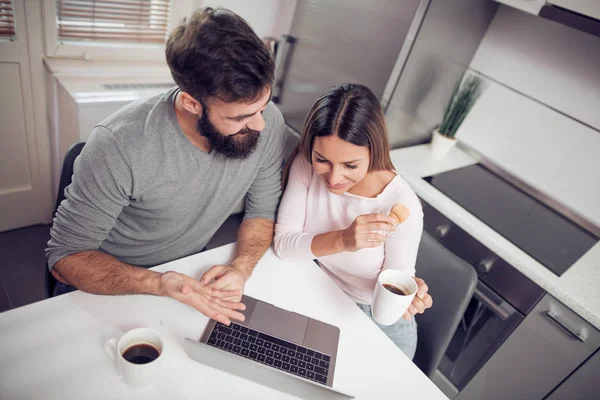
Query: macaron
pixel 400 213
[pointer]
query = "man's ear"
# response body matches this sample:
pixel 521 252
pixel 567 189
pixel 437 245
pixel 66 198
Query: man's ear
pixel 190 104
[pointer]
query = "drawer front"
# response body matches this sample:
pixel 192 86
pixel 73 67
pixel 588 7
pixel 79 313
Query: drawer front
pixel 545 348
pixel 581 385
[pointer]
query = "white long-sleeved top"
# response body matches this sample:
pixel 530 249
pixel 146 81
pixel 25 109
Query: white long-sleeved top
pixel 308 208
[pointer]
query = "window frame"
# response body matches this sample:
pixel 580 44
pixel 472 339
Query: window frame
pixel 108 51
pixel 13 11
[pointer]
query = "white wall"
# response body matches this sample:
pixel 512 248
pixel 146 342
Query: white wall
pixel 267 17
pixel 553 63
pixel 533 120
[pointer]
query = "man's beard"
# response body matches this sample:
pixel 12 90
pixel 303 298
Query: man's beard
pixel 237 146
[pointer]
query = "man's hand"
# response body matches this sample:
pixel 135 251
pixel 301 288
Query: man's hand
pixel 209 301
pixel 226 278
pixel 421 302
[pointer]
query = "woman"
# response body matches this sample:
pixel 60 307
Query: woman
pixel 340 186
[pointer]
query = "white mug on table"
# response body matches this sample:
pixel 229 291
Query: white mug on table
pixel 137 369
pixel 389 307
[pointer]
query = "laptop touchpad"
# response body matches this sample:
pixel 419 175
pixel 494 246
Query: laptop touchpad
pixel 278 322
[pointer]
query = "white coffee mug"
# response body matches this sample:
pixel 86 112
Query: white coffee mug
pixel 136 375
pixel 388 307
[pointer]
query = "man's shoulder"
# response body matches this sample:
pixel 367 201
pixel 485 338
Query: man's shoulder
pixel 274 122
pixel 272 112
pixel 273 136
pixel 132 122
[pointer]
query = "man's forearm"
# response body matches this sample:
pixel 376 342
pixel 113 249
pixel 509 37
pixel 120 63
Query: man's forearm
pixel 100 273
pixel 254 238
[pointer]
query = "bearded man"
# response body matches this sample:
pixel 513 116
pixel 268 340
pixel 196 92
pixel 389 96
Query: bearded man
pixel 157 179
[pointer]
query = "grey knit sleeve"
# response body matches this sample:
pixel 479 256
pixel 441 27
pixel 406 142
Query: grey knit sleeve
pixel 262 199
pixel 101 187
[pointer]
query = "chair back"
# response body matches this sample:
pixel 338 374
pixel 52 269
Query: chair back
pixel 66 175
pixel 451 282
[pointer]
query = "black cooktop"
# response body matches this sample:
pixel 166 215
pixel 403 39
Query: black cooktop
pixel 541 232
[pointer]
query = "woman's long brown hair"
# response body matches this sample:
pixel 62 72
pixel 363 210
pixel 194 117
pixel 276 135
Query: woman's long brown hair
pixel 352 112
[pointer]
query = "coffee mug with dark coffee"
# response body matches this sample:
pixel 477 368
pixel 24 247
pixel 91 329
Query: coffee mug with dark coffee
pixel 396 289
pixel 137 355
pixel 393 294
pixel 141 353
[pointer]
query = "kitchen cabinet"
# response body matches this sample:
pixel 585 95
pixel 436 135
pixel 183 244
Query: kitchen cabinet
pixel 583 384
pixel 550 343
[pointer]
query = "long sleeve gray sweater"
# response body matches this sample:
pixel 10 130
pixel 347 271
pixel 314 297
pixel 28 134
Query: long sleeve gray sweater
pixel 145 194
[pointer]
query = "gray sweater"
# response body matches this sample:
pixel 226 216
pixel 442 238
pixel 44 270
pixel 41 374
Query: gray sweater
pixel 145 194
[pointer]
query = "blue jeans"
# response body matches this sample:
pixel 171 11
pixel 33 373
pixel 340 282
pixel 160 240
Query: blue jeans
pixel 403 333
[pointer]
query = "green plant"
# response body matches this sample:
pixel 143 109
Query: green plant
pixel 465 95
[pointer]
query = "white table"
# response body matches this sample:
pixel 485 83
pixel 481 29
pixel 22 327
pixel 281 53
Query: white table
pixel 54 349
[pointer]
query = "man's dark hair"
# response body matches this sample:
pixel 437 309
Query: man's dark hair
pixel 215 53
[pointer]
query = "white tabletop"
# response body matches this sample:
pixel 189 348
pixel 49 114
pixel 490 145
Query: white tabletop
pixel 54 349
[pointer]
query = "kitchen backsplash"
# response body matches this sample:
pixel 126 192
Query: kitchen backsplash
pixel 540 119
pixel 552 152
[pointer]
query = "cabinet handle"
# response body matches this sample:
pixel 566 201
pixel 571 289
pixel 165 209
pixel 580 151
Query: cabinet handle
pixel 494 306
pixel 567 326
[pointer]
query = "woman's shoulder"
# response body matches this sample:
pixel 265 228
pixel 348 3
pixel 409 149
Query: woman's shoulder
pixel 401 192
pixel 301 169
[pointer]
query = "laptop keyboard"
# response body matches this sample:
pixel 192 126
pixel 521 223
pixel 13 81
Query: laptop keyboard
pixel 271 351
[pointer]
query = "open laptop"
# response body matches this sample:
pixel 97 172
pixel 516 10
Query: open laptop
pixel 274 347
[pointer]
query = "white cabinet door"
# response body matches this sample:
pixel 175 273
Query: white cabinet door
pixel 21 194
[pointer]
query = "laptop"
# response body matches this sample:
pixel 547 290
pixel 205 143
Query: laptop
pixel 274 347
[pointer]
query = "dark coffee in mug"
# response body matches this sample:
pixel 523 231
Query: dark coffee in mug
pixel 141 353
pixel 396 289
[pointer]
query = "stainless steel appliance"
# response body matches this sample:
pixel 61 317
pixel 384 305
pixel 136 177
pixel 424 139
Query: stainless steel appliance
pixel 504 296
pixel 333 42
pixel 448 37
pixel 411 53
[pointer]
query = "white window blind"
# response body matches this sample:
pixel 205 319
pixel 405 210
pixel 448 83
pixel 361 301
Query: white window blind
pixel 7 20
pixel 123 21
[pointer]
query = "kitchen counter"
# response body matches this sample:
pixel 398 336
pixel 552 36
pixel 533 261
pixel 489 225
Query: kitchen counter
pixel 578 288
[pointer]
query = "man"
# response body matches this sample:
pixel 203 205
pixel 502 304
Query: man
pixel 159 177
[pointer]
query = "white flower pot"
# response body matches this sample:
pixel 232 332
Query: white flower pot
pixel 440 145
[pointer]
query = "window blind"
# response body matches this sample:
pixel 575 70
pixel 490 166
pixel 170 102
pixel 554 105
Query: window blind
pixel 7 20
pixel 124 21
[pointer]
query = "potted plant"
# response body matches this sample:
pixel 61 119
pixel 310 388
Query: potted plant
pixel 465 95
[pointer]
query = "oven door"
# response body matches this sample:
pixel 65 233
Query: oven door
pixel 487 322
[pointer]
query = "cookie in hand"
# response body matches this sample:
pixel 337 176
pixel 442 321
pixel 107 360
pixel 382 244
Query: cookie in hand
pixel 400 213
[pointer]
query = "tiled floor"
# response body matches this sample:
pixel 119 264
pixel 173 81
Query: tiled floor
pixel 22 261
